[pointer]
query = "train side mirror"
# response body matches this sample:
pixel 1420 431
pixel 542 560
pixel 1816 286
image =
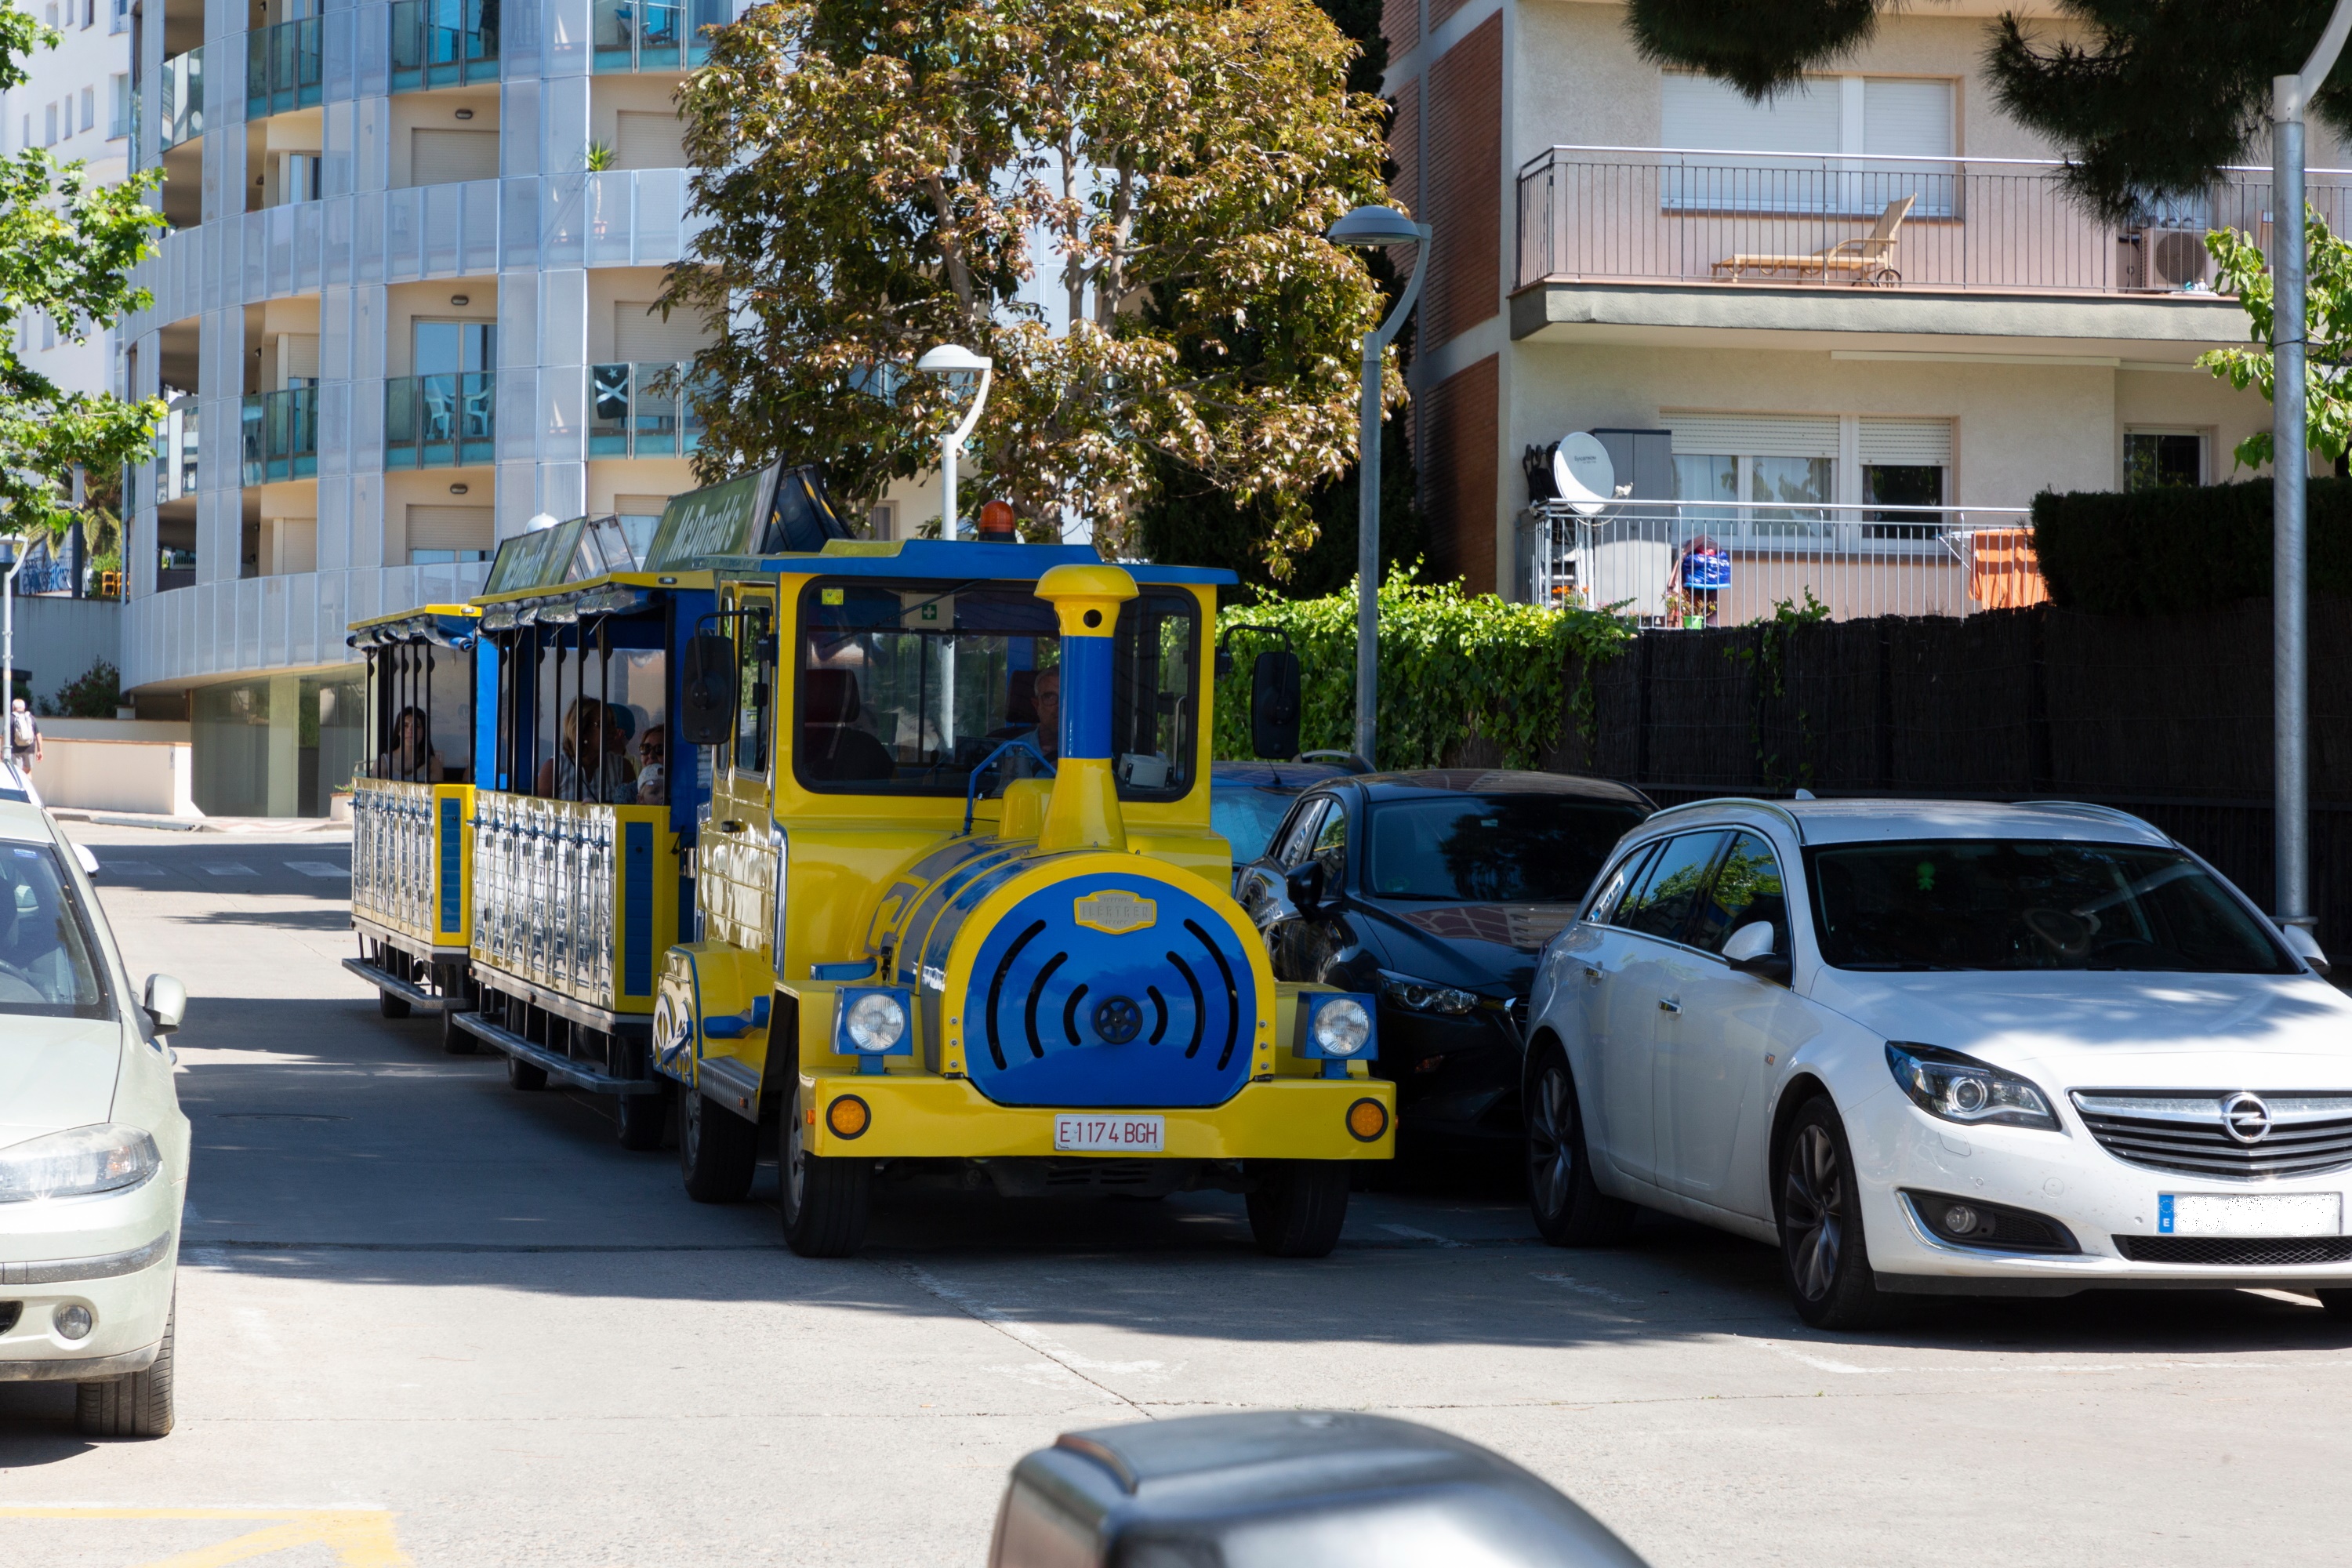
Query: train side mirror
pixel 706 706
pixel 1274 704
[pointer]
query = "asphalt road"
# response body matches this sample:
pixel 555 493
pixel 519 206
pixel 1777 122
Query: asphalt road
pixel 426 1320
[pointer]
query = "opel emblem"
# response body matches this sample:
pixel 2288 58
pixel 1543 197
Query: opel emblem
pixel 2245 1118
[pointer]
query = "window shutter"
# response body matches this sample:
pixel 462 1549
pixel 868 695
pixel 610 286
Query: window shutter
pixel 640 334
pixel 443 157
pixel 1700 111
pixel 1910 443
pixel 450 527
pixel 1753 434
pixel 648 141
pixel 1905 118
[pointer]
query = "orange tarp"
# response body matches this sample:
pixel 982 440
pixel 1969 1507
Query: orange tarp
pixel 2003 574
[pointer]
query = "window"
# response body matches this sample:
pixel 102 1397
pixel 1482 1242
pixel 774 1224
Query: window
pixel 2158 459
pixel 1623 875
pixel 609 692
pixel 1516 848
pixel 1301 831
pixel 117 113
pixel 1779 460
pixel 1330 851
pixel 1747 889
pixel 907 687
pixel 1994 904
pixel 49 966
pixel 49 113
pixel 1851 144
pixel 89 108
pixel 453 348
pixel 1670 887
pixel 755 675
pixel 1903 463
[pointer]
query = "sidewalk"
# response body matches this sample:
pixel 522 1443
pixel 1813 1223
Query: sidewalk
pixel 305 825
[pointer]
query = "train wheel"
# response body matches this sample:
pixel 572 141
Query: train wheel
pixel 718 1150
pixel 456 1041
pixel 824 1200
pixel 1299 1206
pixel 524 1076
pixel 645 1118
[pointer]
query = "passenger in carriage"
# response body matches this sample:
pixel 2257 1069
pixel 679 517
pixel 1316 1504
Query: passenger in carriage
pixel 412 757
pixel 587 768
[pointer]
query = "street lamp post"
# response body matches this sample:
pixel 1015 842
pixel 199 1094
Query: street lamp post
pixel 15 557
pixel 950 361
pixel 1376 226
pixel 2290 679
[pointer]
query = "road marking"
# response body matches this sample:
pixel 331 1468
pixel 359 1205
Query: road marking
pixel 230 868
pixel 1570 1282
pixel 131 868
pixel 1411 1234
pixel 1063 1364
pixel 360 1538
pixel 317 867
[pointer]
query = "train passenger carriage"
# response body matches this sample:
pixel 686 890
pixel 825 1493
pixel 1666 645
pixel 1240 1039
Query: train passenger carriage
pixel 961 913
pixel 413 807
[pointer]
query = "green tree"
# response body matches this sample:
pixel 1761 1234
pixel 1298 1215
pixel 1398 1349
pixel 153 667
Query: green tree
pixel 2148 97
pixel 67 246
pixel 883 177
pixel 2328 333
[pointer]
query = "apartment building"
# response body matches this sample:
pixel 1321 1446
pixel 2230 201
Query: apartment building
pixel 402 311
pixel 1873 293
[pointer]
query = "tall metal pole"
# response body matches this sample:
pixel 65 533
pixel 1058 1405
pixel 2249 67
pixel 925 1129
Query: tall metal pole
pixel 1368 508
pixel 2290 466
pixel 8 629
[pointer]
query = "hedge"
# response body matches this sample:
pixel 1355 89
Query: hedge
pixel 2165 551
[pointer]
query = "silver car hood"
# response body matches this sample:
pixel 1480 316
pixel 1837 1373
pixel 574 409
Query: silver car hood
pixel 2104 1028
pixel 56 1072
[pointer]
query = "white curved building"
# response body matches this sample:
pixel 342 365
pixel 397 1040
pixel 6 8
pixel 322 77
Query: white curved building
pixel 401 310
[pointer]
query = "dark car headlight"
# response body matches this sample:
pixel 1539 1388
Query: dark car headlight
pixel 1426 995
pixel 1957 1088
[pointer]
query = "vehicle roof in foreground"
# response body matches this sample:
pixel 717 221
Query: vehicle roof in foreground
pixel 1876 820
pixel 21 823
pixel 1405 783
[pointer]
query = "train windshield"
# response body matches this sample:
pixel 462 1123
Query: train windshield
pixel 908 688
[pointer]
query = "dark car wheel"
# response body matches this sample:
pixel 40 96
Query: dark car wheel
pixel 1569 1208
pixel 1822 1251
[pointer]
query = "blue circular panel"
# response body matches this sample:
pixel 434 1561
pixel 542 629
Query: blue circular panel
pixel 1110 990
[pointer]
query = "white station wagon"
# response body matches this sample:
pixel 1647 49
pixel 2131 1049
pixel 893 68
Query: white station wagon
pixel 1933 1047
pixel 93 1147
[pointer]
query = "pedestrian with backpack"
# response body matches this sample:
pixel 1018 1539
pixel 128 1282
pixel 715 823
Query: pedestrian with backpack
pixel 24 737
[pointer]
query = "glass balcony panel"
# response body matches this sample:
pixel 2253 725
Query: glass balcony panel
pixel 439 421
pixel 254 448
pixel 181 98
pixel 285 67
pixel 653 35
pixel 654 428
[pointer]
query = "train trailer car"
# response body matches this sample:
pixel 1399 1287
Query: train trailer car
pixel 413 808
pixel 961 916
pixel 580 826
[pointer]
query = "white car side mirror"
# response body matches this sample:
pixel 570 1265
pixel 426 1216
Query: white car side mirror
pixel 1751 951
pixel 88 861
pixel 2304 946
pixel 166 1004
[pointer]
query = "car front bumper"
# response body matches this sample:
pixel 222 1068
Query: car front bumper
pixel 117 1255
pixel 2062 1177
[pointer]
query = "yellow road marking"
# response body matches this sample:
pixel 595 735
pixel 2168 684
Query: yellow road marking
pixel 362 1538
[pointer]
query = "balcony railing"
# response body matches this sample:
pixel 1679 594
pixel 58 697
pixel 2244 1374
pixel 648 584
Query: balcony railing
pixel 444 43
pixel 280 435
pixel 2000 224
pixel 655 35
pixel 284 67
pixel 180 94
pixel 643 410
pixel 439 421
pixel 175 452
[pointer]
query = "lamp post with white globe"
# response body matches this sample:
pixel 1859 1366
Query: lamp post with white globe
pixel 1369 226
pixel 956 366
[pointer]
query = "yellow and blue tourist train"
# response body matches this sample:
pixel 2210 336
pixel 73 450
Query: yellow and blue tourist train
pixel 893 858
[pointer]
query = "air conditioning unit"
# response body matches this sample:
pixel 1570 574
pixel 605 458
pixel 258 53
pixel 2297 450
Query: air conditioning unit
pixel 2168 258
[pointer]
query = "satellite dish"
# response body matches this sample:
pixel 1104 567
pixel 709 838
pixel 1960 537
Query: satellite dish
pixel 1582 473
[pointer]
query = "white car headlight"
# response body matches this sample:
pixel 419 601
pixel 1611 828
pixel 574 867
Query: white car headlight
pixel 1341 1027
pixel 1961 1088
pixel 877 1022
pixel 76 1162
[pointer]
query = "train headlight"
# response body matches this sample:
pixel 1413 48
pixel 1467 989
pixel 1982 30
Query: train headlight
pixel 1335 1028
pixel 870 1022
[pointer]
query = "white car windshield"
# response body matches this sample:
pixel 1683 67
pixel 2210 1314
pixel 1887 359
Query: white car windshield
pixel 48 964
pixel 2015 904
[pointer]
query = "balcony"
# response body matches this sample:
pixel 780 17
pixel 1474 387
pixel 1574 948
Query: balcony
pixel 1720 233
pixel 280 436
pixel 444 43
pixel 181 99
pixel 439 421
pixel 655 35
pixel 643 410
pixel 284 67
pixel 176 453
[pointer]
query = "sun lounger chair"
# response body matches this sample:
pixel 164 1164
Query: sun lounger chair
pixel 1868 259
